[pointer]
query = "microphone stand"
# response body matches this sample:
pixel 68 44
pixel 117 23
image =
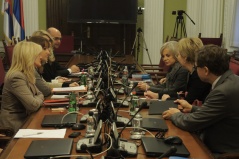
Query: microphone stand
pixel 140 108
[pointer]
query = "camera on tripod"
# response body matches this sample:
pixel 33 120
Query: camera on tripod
pixel 180 12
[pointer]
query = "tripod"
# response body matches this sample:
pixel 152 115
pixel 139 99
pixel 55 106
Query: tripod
pixel 179 23
pixel 137 38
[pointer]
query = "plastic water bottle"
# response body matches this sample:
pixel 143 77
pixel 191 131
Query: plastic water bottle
pixel 72 102
pixel 125 76
pixel 90 127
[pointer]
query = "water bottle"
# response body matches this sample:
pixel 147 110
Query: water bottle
pixel 83 79
pixel 72 102
pixel 90 127
pixel 133 104
pixel 125 76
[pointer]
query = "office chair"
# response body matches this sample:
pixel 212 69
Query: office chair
pixel 215 41
pixel 8 52
pixel 5 133
pixel 64 53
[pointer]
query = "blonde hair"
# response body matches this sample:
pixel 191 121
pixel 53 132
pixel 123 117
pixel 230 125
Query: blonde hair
pixel 172 46
pixel 43 33
pixel 24 55
pixel 187 48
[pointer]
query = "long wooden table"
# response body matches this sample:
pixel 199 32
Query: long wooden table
pixel 17 147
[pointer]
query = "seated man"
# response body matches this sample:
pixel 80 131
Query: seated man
pixel 217 119
pixel 54 69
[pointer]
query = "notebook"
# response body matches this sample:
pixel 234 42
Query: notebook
pixel 39 149
pixel 154 124
pixel 56 120
pixel 158 107
pixel 155 147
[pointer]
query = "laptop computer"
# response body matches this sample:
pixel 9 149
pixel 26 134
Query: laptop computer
pixel 58 120
pixel 154 124
pixel 40 149
pixel 155 147
pixel 158 107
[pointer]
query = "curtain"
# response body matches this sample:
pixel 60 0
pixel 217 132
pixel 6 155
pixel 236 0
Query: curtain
pixel 153 30
pixel 30 9
pixel 233 41
pixel 208 18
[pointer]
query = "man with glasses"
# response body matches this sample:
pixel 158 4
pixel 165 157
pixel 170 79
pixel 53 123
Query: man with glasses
pixel 54 70
pixel 217 120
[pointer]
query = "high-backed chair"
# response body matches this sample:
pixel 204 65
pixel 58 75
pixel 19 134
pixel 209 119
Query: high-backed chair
pixel 234 66
pixel 216 41
pixel 5 133
pixel 8 51
pixel 63 53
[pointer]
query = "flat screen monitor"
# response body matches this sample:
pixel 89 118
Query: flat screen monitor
pixel 103 11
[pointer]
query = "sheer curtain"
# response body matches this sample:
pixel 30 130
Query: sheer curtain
pixel 231 24
pixel 208 18
pixel 234 40
pixel 153 30
pixel 30 9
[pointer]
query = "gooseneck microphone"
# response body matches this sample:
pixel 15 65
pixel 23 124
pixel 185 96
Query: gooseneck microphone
pixel 85 148
pixel 134 86
pixel 171 151
pixel 144 104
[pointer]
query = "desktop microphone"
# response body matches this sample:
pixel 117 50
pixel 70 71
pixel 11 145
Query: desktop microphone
pixel 84 147
pixel 144 104
pixel 134 86
pixel 171 151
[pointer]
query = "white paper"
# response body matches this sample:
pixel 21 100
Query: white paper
pixel 38 133
pixel 77 73
pixel 69 89
pixel 58 96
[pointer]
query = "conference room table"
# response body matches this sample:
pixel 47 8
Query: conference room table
pixel 18 147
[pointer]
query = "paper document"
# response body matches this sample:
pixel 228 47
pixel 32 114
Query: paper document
pixel 78 73
pixel 69 89
pixel 59 96
pixel 38 133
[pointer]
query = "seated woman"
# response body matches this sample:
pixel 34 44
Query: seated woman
pixel 42 85
pixel 51 60
pixel 196 89
pixel 20 95
pixel 176 78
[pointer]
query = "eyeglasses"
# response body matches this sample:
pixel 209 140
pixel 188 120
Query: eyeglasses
pixel 57 38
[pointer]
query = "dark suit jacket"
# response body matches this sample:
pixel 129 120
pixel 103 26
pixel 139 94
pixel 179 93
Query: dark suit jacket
pixel 176 81
pixel 218 117
pixel 51 71
pixel 196 89
pixel 19 99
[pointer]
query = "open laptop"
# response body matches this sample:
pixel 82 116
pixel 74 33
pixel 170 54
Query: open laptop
pixel 158 107
pixel 154 124
pixel 58 120
pixel 155 147
pixel 40 149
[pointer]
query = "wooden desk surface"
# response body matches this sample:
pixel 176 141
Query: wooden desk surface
pixel 17 147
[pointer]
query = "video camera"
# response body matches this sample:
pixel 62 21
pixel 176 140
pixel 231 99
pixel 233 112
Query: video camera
pixel 180 12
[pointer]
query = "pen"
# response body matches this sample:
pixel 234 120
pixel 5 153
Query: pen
pixel 33 134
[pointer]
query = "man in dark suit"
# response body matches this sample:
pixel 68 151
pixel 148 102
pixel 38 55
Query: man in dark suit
pixel 217 120
pixel 54 69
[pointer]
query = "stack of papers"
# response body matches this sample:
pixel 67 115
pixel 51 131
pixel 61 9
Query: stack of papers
pixel 81 88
